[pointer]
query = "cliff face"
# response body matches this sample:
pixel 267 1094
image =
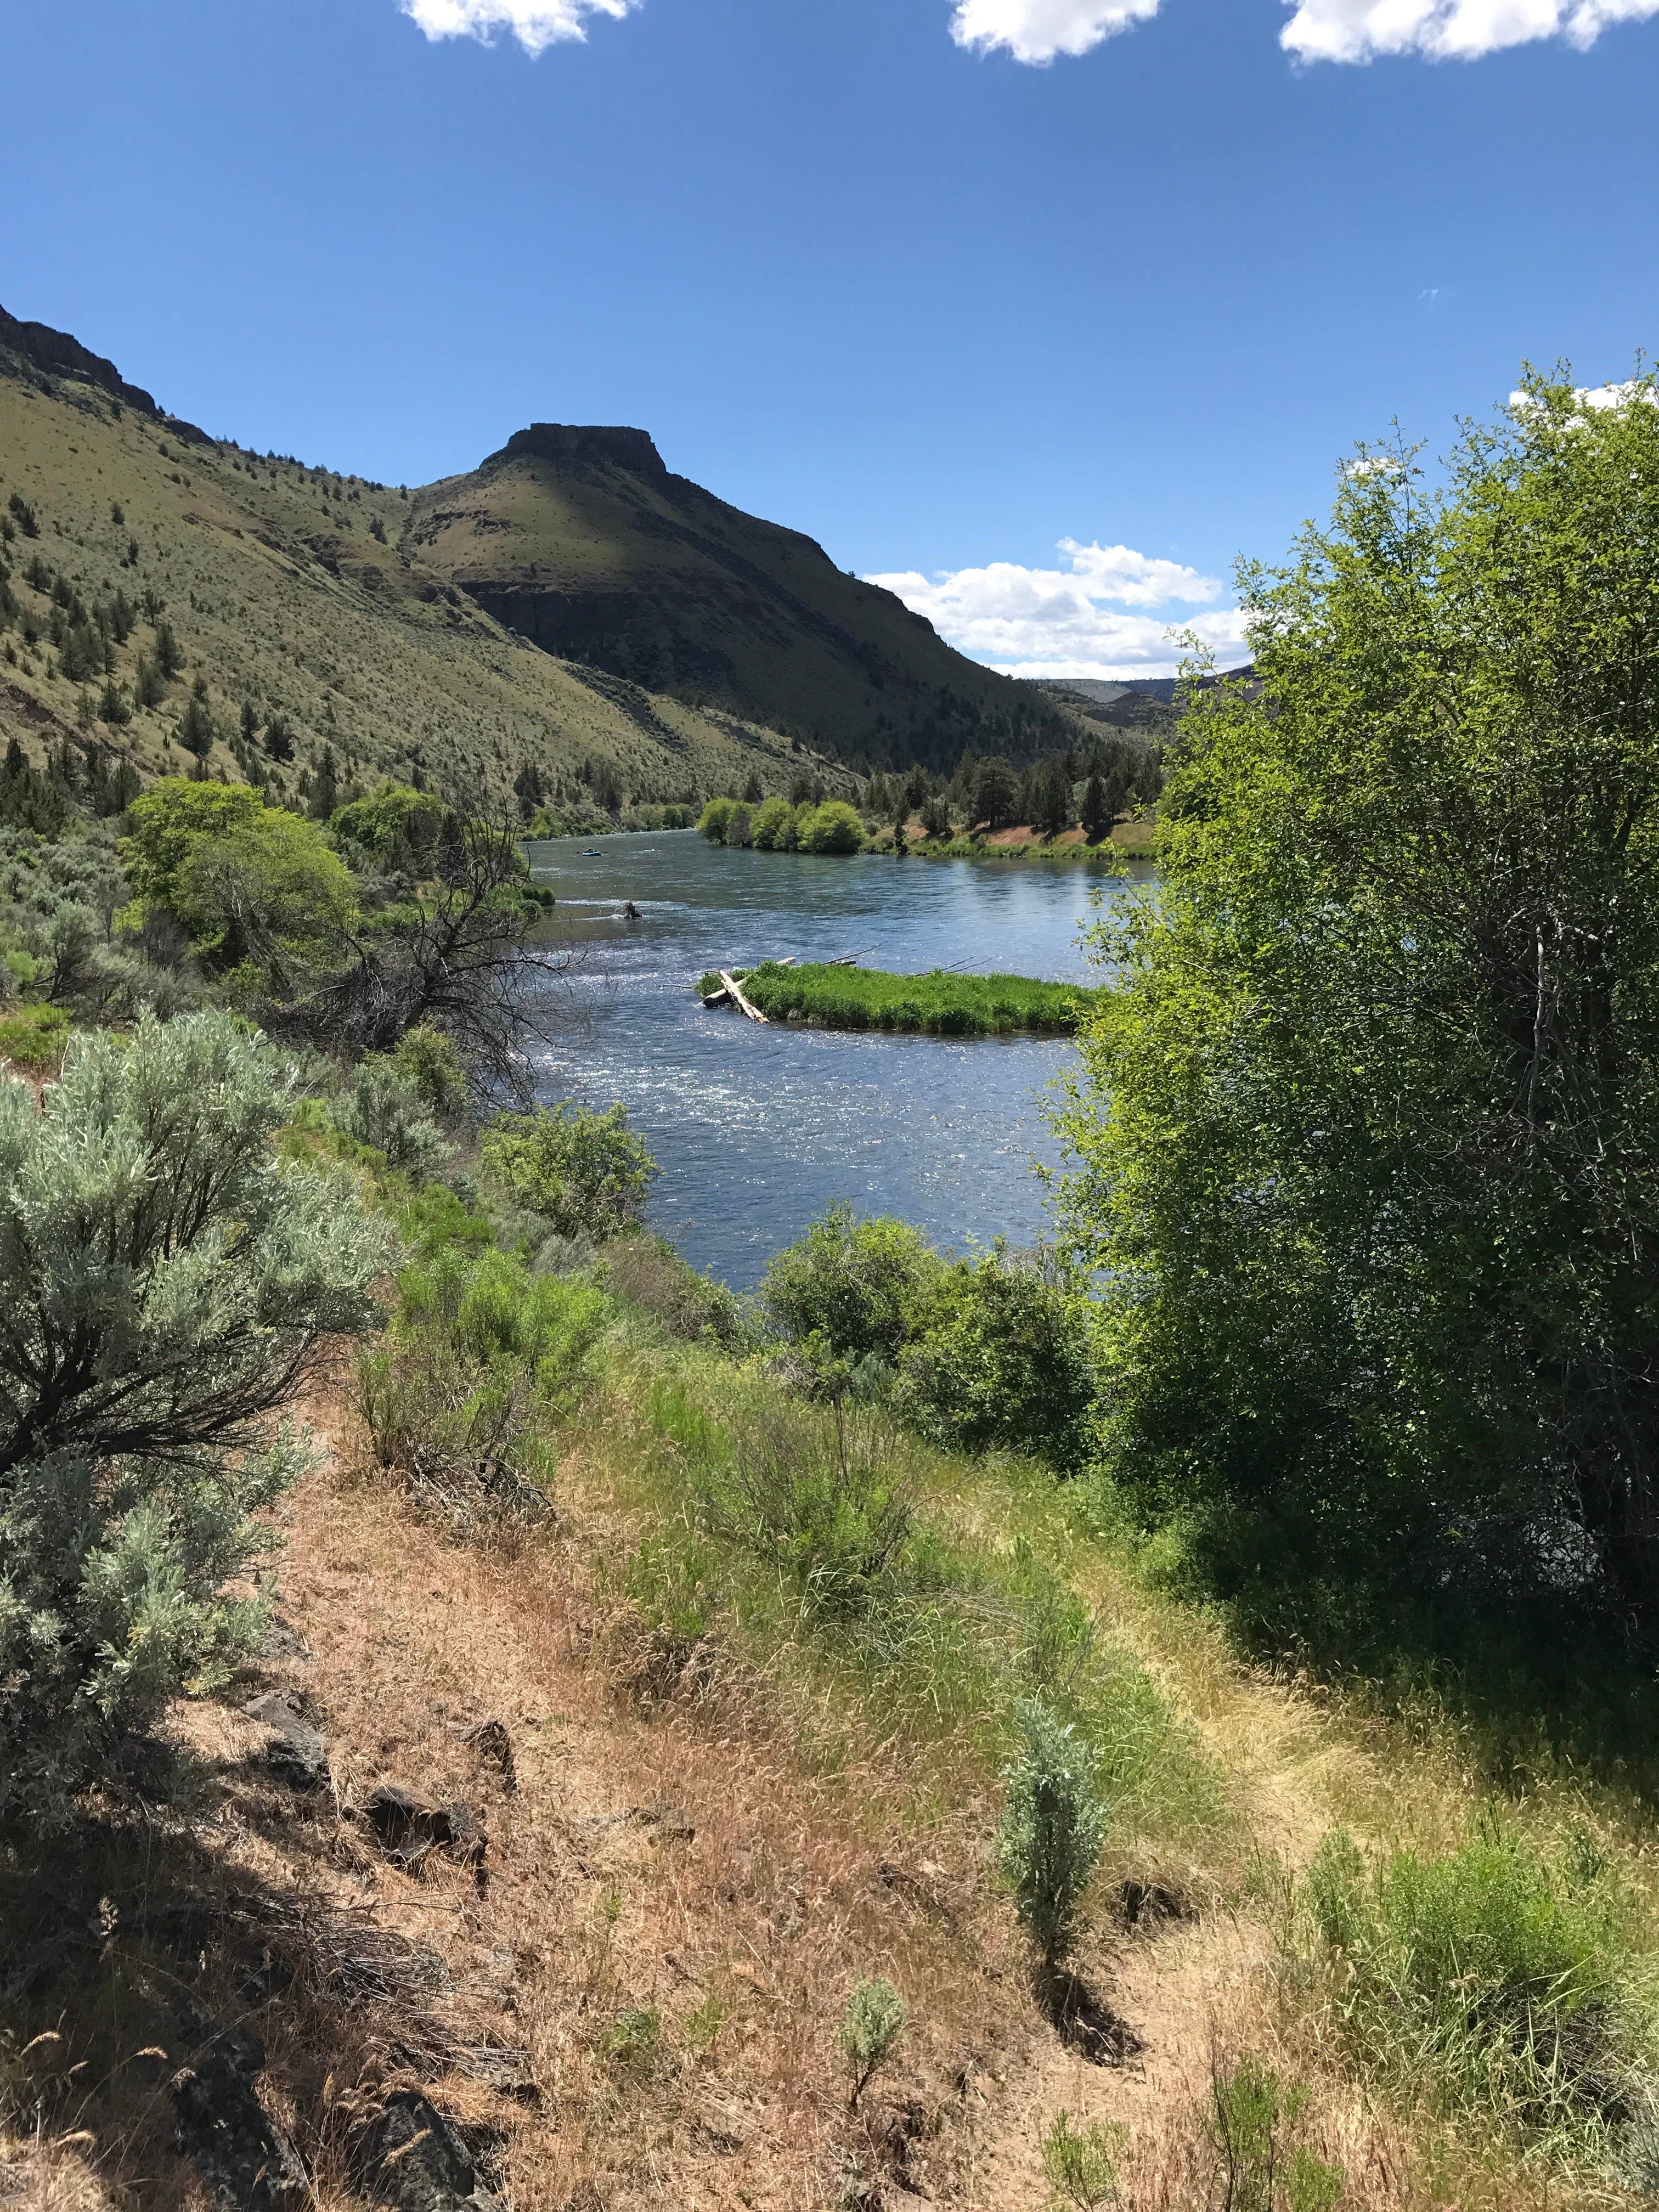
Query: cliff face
pixel 575 538
pixel 582 539
pixel 574 446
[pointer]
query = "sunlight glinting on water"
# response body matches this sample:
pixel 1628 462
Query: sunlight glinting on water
pixel 758 1130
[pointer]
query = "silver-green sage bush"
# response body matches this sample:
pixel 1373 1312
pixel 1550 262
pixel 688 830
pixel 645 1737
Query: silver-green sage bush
pixel 1049 1840
pixel 164 1285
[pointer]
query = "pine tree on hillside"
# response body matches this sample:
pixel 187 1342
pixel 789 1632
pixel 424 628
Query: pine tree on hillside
pixel 1096 814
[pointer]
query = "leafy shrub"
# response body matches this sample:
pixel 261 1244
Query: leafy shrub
pixel 1259 2170
pixel 853 1288
pixel 584 1173
pixel 383 1109
pixel 827 1504
pixel 1002 1359
pixel 977 1354
pixel 33 1036
pixel 428 1061
pixel 715 816
pixel 772 826
pixel 633 2038
pixel 1490 1977
pixel 483 1358
pixel 872 2023
pixel 1049 1839
pixel 163 1285
pixel 1080 2164
pixel 834 826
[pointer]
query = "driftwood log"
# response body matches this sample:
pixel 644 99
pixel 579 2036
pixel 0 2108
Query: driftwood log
pixel 737 998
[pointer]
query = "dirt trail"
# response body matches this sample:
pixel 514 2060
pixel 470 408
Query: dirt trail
pixel 631 2000
pixel 675 1858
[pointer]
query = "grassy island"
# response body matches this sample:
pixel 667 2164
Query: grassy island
pixel 937 1003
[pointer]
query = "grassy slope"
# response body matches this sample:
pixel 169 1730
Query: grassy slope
pixel 722 1822
pixel 282 596
pixel 947 1004
pixel 768 620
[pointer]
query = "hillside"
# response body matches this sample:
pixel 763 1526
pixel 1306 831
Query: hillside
pixel 299 594
pixel 571 620
pixel 584 541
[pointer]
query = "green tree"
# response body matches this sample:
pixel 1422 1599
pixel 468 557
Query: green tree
pixel 586 1174
pixel 996 793
pixel 1053 813
pixel 854 1288
pixel 245 881
pixel 169 658
pixel 936 816
pixel 325 787
pixel 196 728
pixel 715 818
pixel 1097 813
pixel 1369 1139
pixel 164 1286
pixel 772 826
pixel 834 826
pixel 400 826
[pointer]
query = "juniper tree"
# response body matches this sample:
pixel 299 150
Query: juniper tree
pixel 164 1286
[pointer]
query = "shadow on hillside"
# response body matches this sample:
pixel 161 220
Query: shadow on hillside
pixel 1536 1682
pixel 161 1996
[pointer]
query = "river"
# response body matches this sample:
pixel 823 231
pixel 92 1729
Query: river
pixel 756 1129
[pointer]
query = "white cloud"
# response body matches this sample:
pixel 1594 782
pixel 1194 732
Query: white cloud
pixel 536 24
pixel 1038 30
pixel 1446 30
pixel 1051 622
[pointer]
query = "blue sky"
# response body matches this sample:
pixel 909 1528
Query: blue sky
pixel 947 284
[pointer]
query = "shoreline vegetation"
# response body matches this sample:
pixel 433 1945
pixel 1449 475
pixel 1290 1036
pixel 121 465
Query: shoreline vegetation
pixel 834 826
pixel 1202 1668
pixel 937 1004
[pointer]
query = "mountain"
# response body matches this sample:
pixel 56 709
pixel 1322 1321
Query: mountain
pixel 570 619
pixel 289 593
pixel 584 541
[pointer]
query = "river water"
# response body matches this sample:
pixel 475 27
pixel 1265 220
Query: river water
pixel 757 1130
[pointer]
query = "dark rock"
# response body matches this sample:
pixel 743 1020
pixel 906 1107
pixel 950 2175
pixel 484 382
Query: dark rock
pixel 220 2123
pixel 490 1740
pixel 296 1754
pixel 412 2158
pixel 60 355
pixel 569 445
pixel 408 1829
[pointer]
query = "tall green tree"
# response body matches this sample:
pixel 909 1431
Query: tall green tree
pixel 1367 1140
pixel 996 792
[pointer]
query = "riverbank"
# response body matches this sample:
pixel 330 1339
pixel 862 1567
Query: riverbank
pixel 1129 841
pixel 937 1004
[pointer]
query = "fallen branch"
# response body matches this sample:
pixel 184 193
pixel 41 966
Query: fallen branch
pixel 736 990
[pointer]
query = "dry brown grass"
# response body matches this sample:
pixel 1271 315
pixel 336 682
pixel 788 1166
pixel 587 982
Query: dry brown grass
pixel 665 1854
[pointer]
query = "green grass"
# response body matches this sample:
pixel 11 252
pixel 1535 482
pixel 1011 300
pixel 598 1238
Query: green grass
pixel 898 1639
pixel 1497 1981
pixel 937 1004
pixel 34 1036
